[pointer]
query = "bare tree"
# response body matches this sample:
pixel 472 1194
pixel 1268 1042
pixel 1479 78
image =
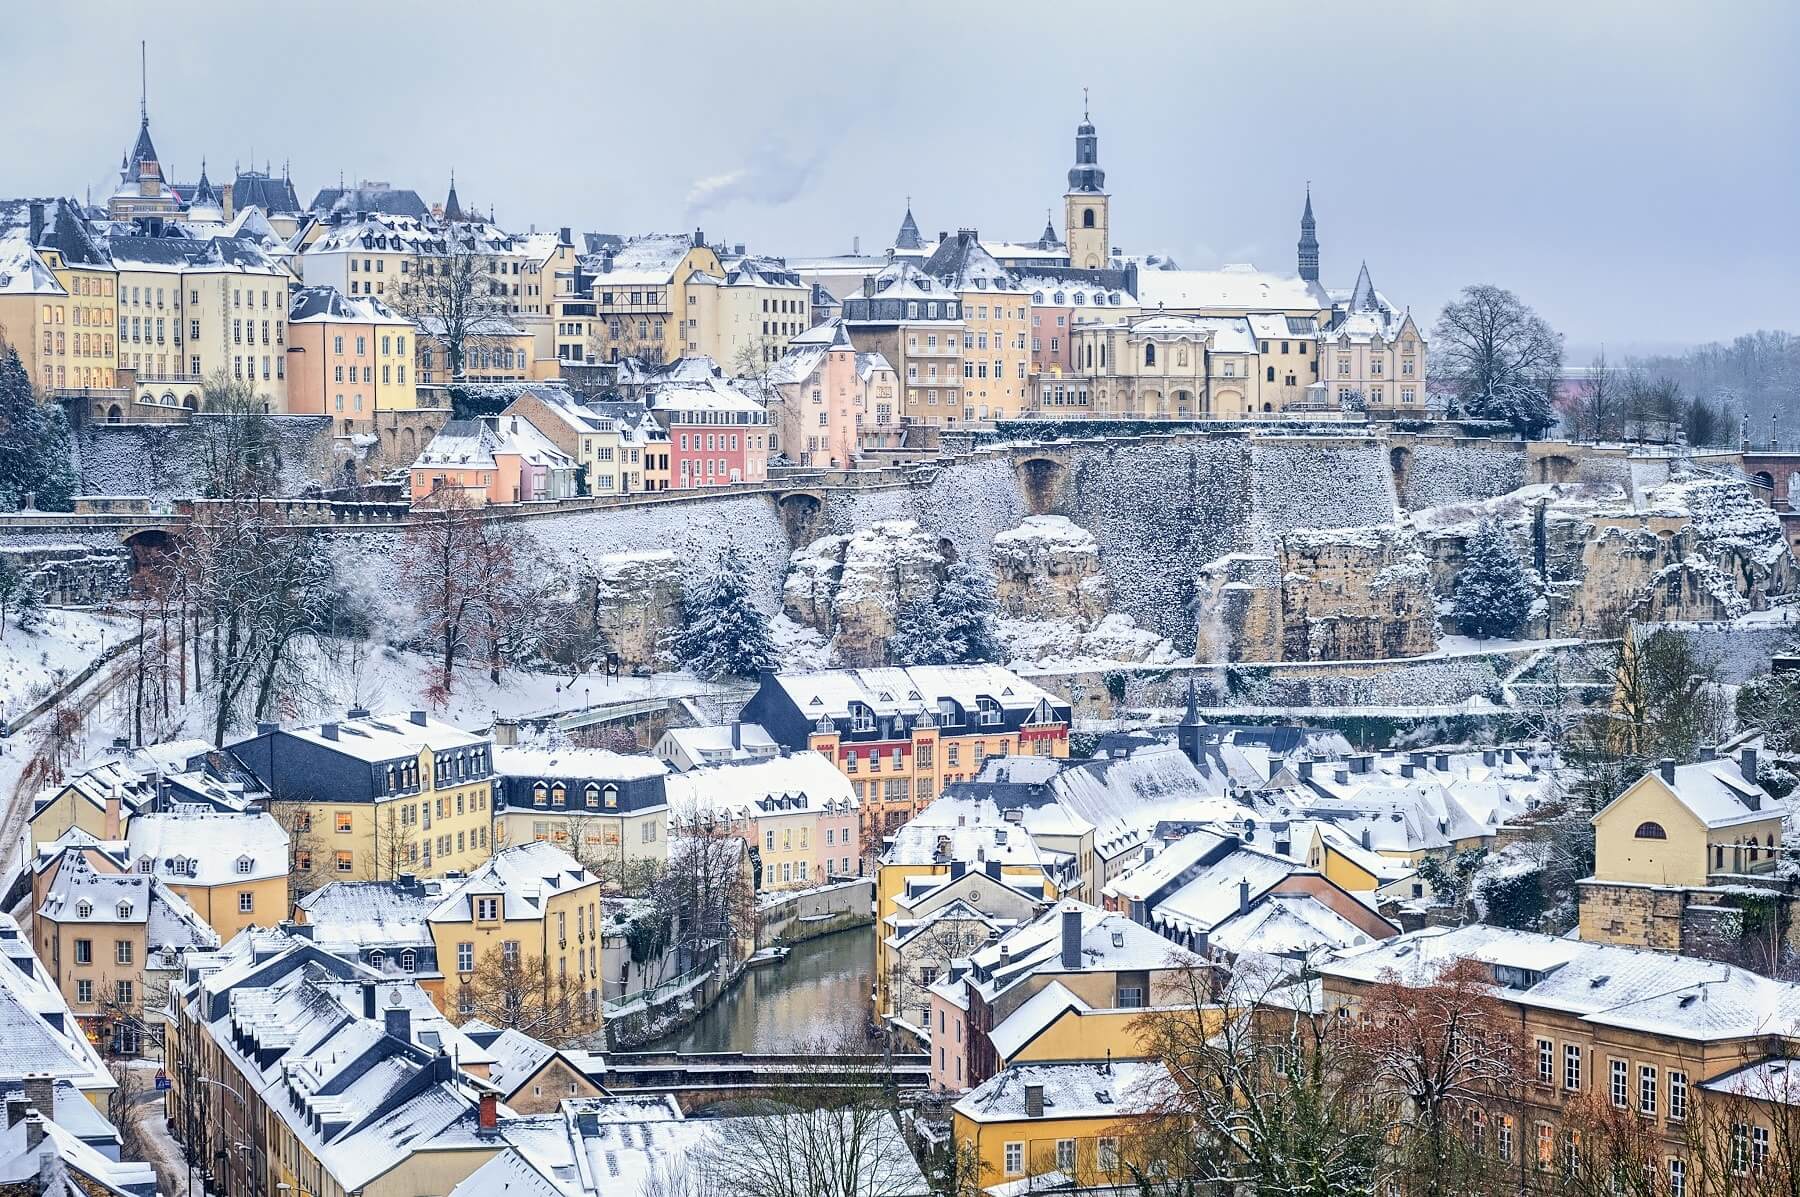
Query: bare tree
pixel 449 291
pixel 1656 406
pixel 452 555
pixel 239 448
pixel 1497 359
pixel 1599 409
pixel 512 990
pixel 705 891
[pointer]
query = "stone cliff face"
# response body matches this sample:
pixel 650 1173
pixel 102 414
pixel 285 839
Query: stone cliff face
pixel 1056 604
pixel 1696 547
pixel 636 603
pixel 850 588
pixel 1343 594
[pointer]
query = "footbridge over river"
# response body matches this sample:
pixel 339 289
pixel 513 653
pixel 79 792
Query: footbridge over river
pixel 698 1080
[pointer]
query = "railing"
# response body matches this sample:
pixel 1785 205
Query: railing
pixel 652 996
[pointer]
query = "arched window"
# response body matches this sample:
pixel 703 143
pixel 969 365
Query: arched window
pixel 409 960
pixel 1150 355
pixel 377 958
pixel 1651 831
pixel 1087 218
pixel 590 794
pixel 559 794
pixel 540 793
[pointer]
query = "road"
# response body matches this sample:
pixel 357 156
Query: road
pixel 158 1147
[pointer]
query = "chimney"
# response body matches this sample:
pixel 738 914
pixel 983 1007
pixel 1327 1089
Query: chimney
pixel 37 221
pixel 357 713
pixel 957 869
pixel 1034 1100
pixel 40 1092
pixel 564 237
pixel 267 729
pixel 738 249
pixel 368 994
pixel 1365 838
pixel 1306 770
pixel 110 827
pixel 488 1112
pixel 15 1110
pixel 737 734
pixel 606 262
pixel 1362 762
pixel 1071 939
pixel 1487 757
pixel 1666 767
pixel 1708 753
pixel 1005 955
pixel 418 717
pixel 699 239
pixel 943 236
pixel 1341 776
pixel 1243 895
pixel 1406 769
pixel 1747 764
pixel 1443 762
pixel 34 1130
pixel 328 730
pixel 868 287
pixel 398 1020
pixel 993 869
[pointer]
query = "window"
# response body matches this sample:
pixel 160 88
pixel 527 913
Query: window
pixel 1065 1155
pixel 243 866
pixel 1651 831
pixel 1740 1148
pixel 409 961
pixel 465 957
pixel 124 992
pixel 1546 1062
pixel 1647 1090
pixel 1106 1153
pixel 122 951
pixel 343 862
pixel 343 822
pixel 1015 1159
pixel 1759 1148
pixel 1677 1177
pixel 1503 1136
pixel 1571 1066
pixel 84 992
pixel 509 951
pixel 1620 1096
pixel 1678 1095
pixel 1131 997
pixel 84 951
pixel 246 902
pixel 377 958
pixel 1546 1145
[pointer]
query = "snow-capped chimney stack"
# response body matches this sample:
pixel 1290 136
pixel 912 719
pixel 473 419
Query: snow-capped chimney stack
pixel 1443 762
pixel 699 239
pixel 1747 764
pixel 418 717
pixel 398 1021
pixel 1487 757
pixel 1243 895
pixel 34 1130
pixel 564 236
pixel 737 734
pixel 40 1092
pixel 1341 776
pixel 110 825
pixel 37 221
pixel 1406 769
pixel 488 1112
pixel 1071 939
pixel 1034 1100
pixel 993 870
pixel 1666 767
pixel 1306 770
pixel 328 730
pixel 957 869
pixel 1365 838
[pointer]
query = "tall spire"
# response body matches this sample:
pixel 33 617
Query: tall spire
pixel 144 83
pixel 452 209
pixel 1086 174
pixel 908 236
pixel 1309 241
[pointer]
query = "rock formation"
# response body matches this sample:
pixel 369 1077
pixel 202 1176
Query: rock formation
pixel 636 603
pixel 850 588
pixel 1056 604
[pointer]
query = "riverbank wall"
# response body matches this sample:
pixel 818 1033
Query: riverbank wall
pixel 788 918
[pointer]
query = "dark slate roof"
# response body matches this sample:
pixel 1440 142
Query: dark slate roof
pixel 908 236
pixel 594 243
pixel 254 188
pixel 391 200
pixel 452 209
pixel 143 151
pixel 64 228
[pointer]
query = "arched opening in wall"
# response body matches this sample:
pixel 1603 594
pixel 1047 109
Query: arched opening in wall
pixel 150 551
pixel 947 550
pixel 1041 480
pixel 1087 218
pixel 1183 403
pixel 1399 462
pixel 799 513
pixel 1557 468
pixel 409 442
pixel 191 402
pixel 114 414
pixel 1766 481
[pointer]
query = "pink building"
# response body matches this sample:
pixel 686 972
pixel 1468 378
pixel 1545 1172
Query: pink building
pixel 1057 305
pixel 494 459
pixel 717 434
pixel 797 813
pixel 822 402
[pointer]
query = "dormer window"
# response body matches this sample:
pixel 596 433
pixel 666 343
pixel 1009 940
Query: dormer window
pixel 124 910
pixel 409 961
pixel 84 910
pixel 377 958
pixel 611 795
pixel 590 795
pixel 861 718
pixel 990 711
pixel 244 864
pixel 540 793
pixel 559 794
pixel 147 865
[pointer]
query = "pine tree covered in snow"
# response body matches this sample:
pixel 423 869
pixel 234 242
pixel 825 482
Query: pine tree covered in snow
pixel 965 605
pixel 34 443
pixel 723 633
pixel 1494 592
pixel 920 637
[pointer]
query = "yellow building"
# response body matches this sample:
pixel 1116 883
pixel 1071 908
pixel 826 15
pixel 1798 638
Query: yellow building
pixel 111 941
pixel 372 797
pixel 996 334
pixel 1663 845
pixel 531 907
pixel 744 317
pixel 349 358
pixel 66 338
pixel 1073 1122
pixel 230 867
pixel 608 810
pixel 641 296
pixel 1170 367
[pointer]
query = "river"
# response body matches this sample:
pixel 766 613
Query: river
pixel 819 993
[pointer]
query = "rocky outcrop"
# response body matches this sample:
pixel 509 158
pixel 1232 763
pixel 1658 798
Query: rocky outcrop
pixel 1695 547
pixel 850 588
pixel 1054 603
pixel 1345 594
pixel 636 604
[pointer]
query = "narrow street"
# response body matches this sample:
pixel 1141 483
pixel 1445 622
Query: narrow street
pixel 159 1148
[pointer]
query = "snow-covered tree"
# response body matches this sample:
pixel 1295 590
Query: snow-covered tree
pixel 965 605
pixel 34 443
pixel 919 637
pixel 1497 358
pixel 723 632
pixel 1494 592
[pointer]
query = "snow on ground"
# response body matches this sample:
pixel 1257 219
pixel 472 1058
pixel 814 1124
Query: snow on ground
pixel 34 663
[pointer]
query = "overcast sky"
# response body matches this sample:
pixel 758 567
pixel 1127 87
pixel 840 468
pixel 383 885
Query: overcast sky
pixel 1632 169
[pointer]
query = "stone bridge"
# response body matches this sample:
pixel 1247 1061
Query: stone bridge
pixel 700 1079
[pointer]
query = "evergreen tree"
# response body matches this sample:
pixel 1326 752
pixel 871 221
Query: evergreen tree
pixel 965 606
pixel 10 582
pixel 34 443
pixel 1494 592
pixel 920 638
pixel 723 634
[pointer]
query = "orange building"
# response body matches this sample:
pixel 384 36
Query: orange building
pixel 348 358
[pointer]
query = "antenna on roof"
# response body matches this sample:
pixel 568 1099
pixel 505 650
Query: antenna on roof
pixel 1084 103
pixel 143 82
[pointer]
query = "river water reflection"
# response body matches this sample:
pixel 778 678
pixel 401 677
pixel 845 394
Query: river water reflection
pixel 820 992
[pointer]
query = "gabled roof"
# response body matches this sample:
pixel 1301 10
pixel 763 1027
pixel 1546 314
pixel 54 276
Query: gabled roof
pixel 1715 792
pixel 908 236
pixel 525 877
